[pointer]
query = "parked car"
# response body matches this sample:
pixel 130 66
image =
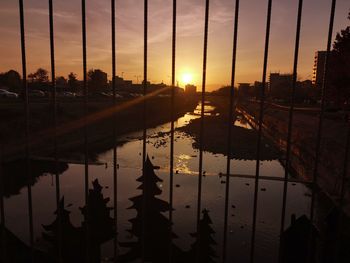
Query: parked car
pixel 7 94
pixel 36 94
pixel 67 94
pixel 101 95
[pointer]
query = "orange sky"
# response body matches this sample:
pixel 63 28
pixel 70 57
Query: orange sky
pixel 189 38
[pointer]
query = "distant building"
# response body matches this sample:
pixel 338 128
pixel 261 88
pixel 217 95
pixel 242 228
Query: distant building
pixel 306 84
pixel 128 82
pixel 280 85
pixel 257 88
pixel 243 86
pixel 318 70
pixel 190 89
pixel 147 83
pixel 118 81
pixel 304 91
pixel 122 84
pixel 244 89
pixel 258 84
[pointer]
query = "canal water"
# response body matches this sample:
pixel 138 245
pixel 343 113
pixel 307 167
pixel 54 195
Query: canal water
pixel 241 194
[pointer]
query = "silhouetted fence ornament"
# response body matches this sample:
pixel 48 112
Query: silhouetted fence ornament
pixel 295 241
pixel 207 253
pixel 149 216
pixel 73 245
pixel 100 225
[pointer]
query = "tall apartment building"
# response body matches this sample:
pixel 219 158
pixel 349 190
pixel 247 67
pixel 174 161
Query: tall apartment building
pixel 318 70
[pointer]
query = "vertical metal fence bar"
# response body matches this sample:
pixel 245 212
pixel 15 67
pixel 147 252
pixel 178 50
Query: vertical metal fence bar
pixel 201 131
pixel 115 169
pixel 145 67
pixel 26 116
pixel 229 132
pixel 54 116
pixel 86 150
pixel 321 117
pixel 261 117
pixel 290 122
pixel 144 135
pixel 172 130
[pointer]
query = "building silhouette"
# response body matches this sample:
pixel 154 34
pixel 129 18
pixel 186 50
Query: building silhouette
pixel 318 69
pixel 244 90
pixel 190 89
pixel 280 85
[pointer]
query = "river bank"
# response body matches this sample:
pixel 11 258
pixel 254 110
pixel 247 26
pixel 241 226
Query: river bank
pixel 105 122
pixel 330 167
pixel 215 135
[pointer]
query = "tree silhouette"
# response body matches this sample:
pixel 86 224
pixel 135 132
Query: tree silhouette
pixel 73 82
pixel 206 252
pixel 11 80
pixel 150 226
pixel 61 82
pixel 40 75
pixel 61 231
pixel 97 80
pixel 339 70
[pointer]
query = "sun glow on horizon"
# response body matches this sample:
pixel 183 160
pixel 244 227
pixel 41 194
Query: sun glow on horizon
pixel 187 78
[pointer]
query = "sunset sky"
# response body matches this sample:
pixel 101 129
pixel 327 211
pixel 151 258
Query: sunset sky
pixel 129 27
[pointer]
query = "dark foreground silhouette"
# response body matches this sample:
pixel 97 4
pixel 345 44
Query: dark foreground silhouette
pixel 152 236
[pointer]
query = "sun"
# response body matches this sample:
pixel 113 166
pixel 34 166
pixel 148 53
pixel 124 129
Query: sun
pixel 186 78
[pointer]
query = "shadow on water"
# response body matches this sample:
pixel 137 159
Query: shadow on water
pixel 149 227
pixel 15 175
pixel 150 233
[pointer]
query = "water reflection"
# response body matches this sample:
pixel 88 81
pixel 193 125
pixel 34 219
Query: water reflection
pixel 185 196
pixel 182 164
pixel 241 122
pixel 208 109
pixel 148 227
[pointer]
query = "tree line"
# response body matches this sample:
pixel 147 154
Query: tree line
pixel 12 81
pixel 338 79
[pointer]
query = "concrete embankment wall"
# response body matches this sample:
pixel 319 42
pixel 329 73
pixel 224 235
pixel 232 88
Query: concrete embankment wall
pixel 302 160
